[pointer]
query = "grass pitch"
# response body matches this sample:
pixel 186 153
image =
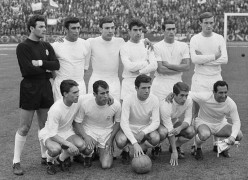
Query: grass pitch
pixel 235 73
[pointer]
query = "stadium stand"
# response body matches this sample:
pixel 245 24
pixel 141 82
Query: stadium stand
pixel 14 14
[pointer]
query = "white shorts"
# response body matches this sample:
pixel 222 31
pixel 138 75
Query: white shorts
pixel 137 128
pixel 162 87
pixel 44 135
pixel 113 82
pixel 214 128
pixel 100 135
pixel 56 88
pixel 203 83
pixel 127 87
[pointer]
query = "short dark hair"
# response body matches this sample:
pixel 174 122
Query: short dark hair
pixel 32 21
pixel 135 22
pixel 104 20
pixel 99 83
pixel 219 83
pixel 66 85
pixel 69 20
pixel 168 21
pixel 205 15
pixel 142 79
pixel 180 86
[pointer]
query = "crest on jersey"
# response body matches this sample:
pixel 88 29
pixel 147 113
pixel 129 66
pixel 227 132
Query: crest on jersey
pixel 47 52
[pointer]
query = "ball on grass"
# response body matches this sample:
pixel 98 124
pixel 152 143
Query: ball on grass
pixel 141 164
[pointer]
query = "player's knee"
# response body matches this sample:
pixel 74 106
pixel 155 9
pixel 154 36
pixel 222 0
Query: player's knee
pixel 23 130
pixel 54 151
pixel 80 145
pixel 204 135
pixel 154 138
pixel 239 136
pixel 163 132
pixel 190 133
pixel 121 140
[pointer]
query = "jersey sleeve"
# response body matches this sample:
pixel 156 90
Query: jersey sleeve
pixel 188 112
pixel 155 118
pixel 165 114
pixel 24 57
pixel 87 54
pixel 52 63
pixel 198 59
pixel 53 119
pixel 235 119
pixel 125 120
pixel 80 114
pixel 223 59
pixel 152 66
pixel 117 117
pixel 185 54
pixel 129 65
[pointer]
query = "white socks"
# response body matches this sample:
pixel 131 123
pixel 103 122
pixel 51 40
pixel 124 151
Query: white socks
pixel 65 154
pixel 198 141
pixel 19 144
pixel 42 147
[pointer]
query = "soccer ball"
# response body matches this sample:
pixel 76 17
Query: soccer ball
pixel 141 164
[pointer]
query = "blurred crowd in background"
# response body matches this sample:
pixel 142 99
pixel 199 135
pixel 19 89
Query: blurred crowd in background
pixel 15 13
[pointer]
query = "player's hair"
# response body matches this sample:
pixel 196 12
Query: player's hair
pixel 168 21
pixel 32 21
pixel 98 84
pixel 142 79
pixel 69 20
pixel 180 86
pixel 66 85
pixel 135 22
pixel 104 20
pixel 205 15
pixel 219 83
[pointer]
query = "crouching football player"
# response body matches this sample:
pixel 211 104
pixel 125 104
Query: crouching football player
pixel 172 126
pixel 58 135
pixel 98 122
pixel 139 120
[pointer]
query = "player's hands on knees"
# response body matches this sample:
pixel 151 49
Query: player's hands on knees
pixel 174 159
pixel 231 140
pixel 137 150
pixel 109 147
pixel 59 39
pixel 175 131
pixel 140 136
pixel 169 98
pixel 73 149
pixel 90 142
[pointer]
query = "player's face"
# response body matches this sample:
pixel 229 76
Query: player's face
pixel 170 31
pixel 102 96
pixel 73 31
pixel 207 25
pixel 135 34
pixel 39 31
pixel 72 95
pixel 221 94
pixel 181 97
pixel 108 31
pixel 143 91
